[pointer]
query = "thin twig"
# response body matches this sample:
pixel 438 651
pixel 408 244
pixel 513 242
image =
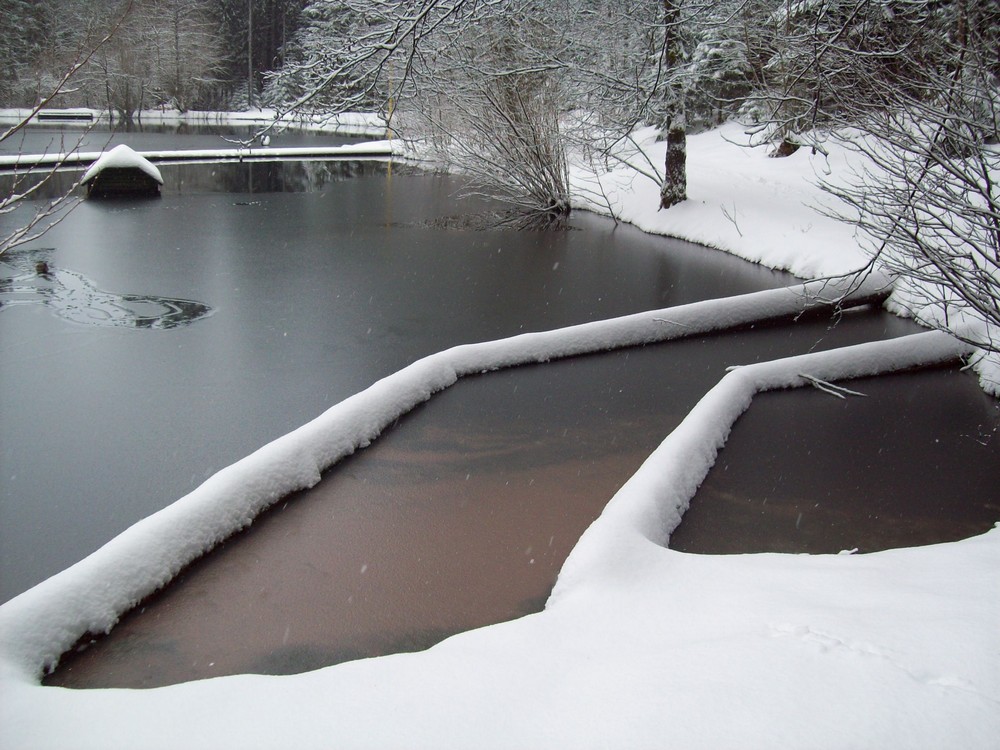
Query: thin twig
pixel 732 217
pixel 833 390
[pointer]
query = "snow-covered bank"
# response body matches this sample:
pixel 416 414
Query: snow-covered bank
pixel 40 624
pixel 639 646
pixel 769 211
pixel 739 200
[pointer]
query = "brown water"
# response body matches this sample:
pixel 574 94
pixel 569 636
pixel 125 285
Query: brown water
pixel 393 552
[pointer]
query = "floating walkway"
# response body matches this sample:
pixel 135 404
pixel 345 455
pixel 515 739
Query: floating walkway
pixel 368 151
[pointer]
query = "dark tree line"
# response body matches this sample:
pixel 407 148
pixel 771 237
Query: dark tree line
pixel 269 25
pixel 188 54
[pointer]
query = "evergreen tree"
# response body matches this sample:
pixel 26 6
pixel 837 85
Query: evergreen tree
pixel 253 35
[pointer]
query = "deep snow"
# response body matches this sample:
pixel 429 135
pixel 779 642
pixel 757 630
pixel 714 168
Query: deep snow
pixel 639 645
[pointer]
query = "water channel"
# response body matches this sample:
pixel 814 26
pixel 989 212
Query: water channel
pixel 312 281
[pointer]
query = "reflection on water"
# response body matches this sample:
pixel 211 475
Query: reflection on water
pixel 73 297
pixel 264 177
pixel 223 177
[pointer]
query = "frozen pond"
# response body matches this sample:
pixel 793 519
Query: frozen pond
pixel 315 280
pixel 312 297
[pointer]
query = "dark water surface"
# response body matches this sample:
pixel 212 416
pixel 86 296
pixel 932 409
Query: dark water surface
pixel 462 514
pixel 313 295
pixel 914 462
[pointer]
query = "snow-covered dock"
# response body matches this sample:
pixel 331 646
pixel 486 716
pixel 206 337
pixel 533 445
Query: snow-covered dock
pixel 73 114
pixel 379 150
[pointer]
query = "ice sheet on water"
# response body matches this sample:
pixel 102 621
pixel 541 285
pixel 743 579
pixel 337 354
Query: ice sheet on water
pixel 74 297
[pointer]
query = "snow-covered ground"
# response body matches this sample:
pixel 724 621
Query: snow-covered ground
pixel 639 646
pixel 769 211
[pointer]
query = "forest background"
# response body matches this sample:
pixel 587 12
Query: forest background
pixel 511 91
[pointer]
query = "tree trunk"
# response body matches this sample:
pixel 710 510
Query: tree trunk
pixel 250 54
pixel 674 187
